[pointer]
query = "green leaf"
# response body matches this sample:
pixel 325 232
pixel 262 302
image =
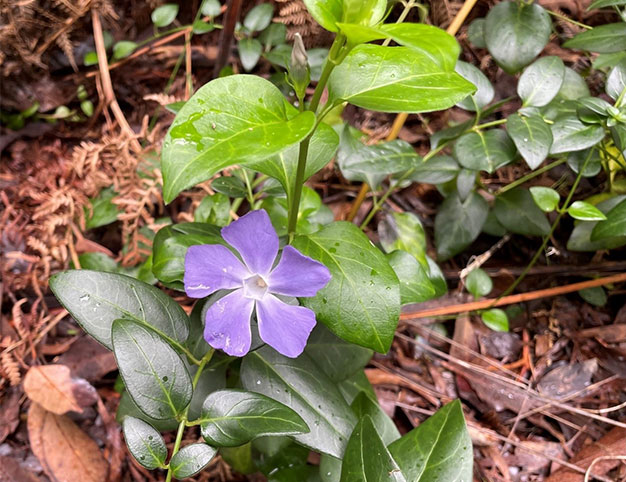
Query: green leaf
pixel 465 182
pixel 231 186
pixel 616 80
pixel 103 211
pixel 532 137
pixel 250 50
pixel 476 33
pixel 395 79
pixel 484 150
pixel 164 15
pixel 170 247
pixel 356 384
pixel 259 17
pixel 154 374
pixel 615 224
pixel 222 125
pixel 310 206
pixel 570 134
pixel 363 406
pixel 361 303
pixel 191 459
pixel 213 209
pixel 449 133
pixel 606 3
pixel 90 58
pixel 545 197
pixel 211 8
pixel 580 239
pixel 516 211
pixel 363 12
pixel 337 359
pixel 275 34
pixel 576 160
pixel 98 262
pixel 515 33
pixel 211 379
pixel 415 285
pixel 299 384
pixel 478 283
pixel 574 86
pixel 458 223
pixel 123 49
pixel 234 417
pixel 367 459
pixel 594 296
pixel 541 81
pixel 239 458
pixel 128 408
pixel 496 319
pixel 602 39
pixel 585 212
pixel 403 231
pixel 96 299
pixel 371 164
pixel 284 165
pixel 144 443
pixel 326 12
pixel 436 170
pixel 484 95
pixel 426 453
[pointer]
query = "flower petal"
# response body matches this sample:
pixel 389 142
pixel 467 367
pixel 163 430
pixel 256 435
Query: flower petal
pixel 212 267
pixel 297 275
pixel 256 240
pixel 227 324
pixel 284 327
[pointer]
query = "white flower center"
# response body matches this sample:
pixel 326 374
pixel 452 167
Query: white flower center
pixel 254 287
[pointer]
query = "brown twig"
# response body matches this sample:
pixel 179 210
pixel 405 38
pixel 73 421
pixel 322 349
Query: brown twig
pixel 226 36
pixel 512 299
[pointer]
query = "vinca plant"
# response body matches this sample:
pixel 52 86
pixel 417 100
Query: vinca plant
pixel 291 304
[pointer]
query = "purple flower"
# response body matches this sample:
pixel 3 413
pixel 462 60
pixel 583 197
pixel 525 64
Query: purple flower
pixel 213 267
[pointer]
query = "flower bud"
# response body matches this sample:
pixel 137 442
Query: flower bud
pixel 299 71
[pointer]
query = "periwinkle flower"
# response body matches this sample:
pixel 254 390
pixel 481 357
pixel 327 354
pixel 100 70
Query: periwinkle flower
pixel 213 267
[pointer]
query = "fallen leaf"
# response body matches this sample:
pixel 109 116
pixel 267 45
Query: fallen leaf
pixel 568 379
pixel 52 387
pixel 65 452
pixel 609 333
pixel 88 359
pixel 9 413
pixel 12 471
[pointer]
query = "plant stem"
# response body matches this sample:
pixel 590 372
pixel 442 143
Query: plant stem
pixel 567 19
pixel 529 176
pixel 489 124
pixel 337 53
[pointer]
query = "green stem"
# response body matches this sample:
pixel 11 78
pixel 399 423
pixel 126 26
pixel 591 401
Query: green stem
pixel 250 194
pixel 489 124
pixel 179 438
pixel 561 213
pixel 529 176
pixel 567 19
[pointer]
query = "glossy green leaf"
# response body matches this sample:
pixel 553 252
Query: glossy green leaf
pixel 96 299
pixel 234 417
pixel 363 406
pixel 310 206
pixel 476 33
pixel 496 319
pixel 601 39
pixel 515 33
pixel 154 374
pixel 250 50
pixel 465 182
pixel 426 453
pixel 395 79
pixel 361 303
pixel 478 283
pixel 222 125
pixel 299 384
pixel 90 58
pixel 616 80
pixel 102 211
pixel 164 15
pixel 580 239
pixel 283 166
pixel 585 212
pixel 144 443
pixel 593 110
pixel 211 8
pixel 449 133
pixel 403 231
pixel 545 197
pixel 367 459
pixel 595 296
pixel 415 285
pixel 493 227
pixel 618 133
pixel 98 262
pixel 484 150
pixel 357 383
pixel 577 159
pixel 532 138
pixel 128 408
pixel 484 94
pixel 574 86
pixel 570 134
pixel 363 12
pixel 213 209
pixel 372 163
pixel 436 170
pixel 458 223
pixel 191 459
pixel 606 3
pixel 338 359
pixel 170 247
pixel 541 81
pixel 259 17
pixel 326 12
pixel 614 226
pixel 275 34
pixel 516 211
pixel 123 49
pixel 231 186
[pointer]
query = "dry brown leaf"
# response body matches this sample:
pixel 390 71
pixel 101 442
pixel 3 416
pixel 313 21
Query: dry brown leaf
pixel 12 471
pixel 9 414
pixel 65 452
pixel 52 387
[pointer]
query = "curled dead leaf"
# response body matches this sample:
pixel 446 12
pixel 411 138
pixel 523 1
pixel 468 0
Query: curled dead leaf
pixel 65 452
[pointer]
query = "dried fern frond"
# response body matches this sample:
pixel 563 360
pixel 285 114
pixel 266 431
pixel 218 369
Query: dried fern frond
pixel 9 369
